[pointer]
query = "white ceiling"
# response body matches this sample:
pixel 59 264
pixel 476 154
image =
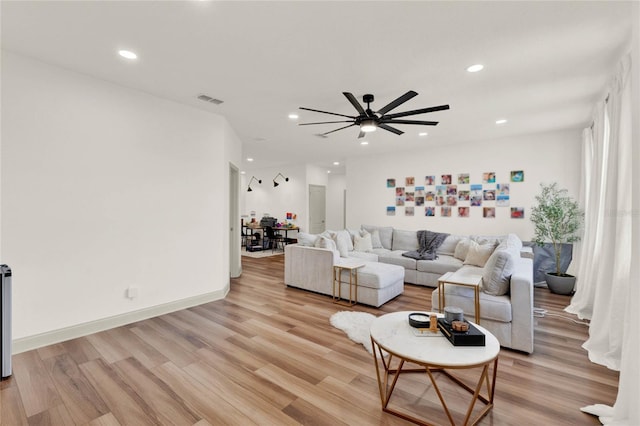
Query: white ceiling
pixel 546 63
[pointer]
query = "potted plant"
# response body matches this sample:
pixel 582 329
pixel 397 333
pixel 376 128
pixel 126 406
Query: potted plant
pixel 557 218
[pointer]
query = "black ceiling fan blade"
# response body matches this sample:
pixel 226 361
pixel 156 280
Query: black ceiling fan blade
pixel 324 134
pixel 327 112
pixel 390 129
pixel 402 99
pixel 424 123
pixel 326 122
pixel 354 102
pixel 418 111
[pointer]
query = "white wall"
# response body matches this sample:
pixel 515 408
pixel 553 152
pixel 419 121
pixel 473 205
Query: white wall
pixel 336 188
pixel 265 199
pixel 543 158
pixel 103 188
pixel 292 196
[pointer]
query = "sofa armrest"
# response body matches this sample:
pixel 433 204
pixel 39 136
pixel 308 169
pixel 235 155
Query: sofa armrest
pixel 521 292
pixel 526 252
pixel 310 268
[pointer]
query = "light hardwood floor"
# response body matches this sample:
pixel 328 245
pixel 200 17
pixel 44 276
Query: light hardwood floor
pixel 267 355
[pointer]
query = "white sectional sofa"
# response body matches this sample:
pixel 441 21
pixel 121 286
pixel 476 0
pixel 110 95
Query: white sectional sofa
pixel 506 299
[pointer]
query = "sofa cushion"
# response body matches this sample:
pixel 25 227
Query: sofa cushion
pixel 511 242
pixel 449 244
pixel 497 272
pixel 307 240
pixel 386 234
pixel 441 265
pixel 462 249
pixel 362 243
pixel 370 257
pixel 396 258
pixel 478 254
pixel 488 239
pixel 405 240
pixel 376 275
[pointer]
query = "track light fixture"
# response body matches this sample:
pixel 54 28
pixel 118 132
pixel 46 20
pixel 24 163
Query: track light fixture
pixel 286 179
pixel 250 181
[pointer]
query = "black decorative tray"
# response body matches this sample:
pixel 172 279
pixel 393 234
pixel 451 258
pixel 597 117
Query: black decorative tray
pixel 472 337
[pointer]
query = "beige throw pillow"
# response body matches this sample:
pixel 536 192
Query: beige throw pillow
pixel 462 249
pixel 496 277
pixel 375 239
pixel 478 254
pixel 362 243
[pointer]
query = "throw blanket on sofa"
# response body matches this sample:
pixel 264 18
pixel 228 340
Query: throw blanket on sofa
pixel 429 243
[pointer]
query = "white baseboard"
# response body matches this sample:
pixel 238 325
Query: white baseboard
pixel 56 336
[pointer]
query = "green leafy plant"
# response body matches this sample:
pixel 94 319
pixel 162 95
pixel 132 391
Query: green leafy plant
pixel 557 218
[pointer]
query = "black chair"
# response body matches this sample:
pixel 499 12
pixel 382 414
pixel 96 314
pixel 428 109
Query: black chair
pixel 272 238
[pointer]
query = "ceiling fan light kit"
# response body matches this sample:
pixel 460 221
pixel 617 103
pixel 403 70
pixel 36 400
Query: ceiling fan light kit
pixel 369 120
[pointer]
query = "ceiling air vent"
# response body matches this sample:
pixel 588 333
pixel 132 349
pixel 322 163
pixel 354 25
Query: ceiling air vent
pixel 210 99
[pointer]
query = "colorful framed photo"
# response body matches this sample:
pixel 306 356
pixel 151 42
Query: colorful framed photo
pixel 463 178
pixel 445 211
pixel 517 176
pixel 391 183
pixel 517 212
pixel 489 212
pixel 410 181
pixel 446 179
pixel 429 211
pixel 463 211
pixel 408 211
pixel 489 177
pixel 489 194
pixel 391 210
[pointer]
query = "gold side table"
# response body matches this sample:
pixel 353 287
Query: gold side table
pixel 346 265
pixel 473 281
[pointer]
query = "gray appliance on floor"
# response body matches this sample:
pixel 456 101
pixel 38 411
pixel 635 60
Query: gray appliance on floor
pixel 5 321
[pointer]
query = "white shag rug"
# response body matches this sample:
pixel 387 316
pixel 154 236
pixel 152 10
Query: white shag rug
pixel 356 325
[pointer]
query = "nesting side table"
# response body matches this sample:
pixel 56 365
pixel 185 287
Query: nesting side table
pixel 352 267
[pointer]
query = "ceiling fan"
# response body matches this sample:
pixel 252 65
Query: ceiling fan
pixel 369 120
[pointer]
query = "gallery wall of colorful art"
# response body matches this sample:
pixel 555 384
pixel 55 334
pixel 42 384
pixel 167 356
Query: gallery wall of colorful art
pixel 455 195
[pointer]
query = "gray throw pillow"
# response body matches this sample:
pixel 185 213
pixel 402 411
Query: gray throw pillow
pixel 497 273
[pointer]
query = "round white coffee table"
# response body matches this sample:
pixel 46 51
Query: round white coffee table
pixel 393 334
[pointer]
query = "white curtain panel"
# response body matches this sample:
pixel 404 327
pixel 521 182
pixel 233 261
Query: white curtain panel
pixel 606 292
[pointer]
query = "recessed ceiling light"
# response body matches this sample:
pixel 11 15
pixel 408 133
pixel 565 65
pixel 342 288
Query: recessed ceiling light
pixel 501 121
pixel 364 143
pixel 328 171
pixel 423 134
pixel 475 68
pixel 243 172
pixel 293 116
pixel 127 54
pixel 249 159
pixel 336 163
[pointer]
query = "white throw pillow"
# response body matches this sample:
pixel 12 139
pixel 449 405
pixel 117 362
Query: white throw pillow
pixel 307 240
pixel 462 249
pixel 478 254
pixel 497 272
pixel 375 239
pixel 343 241
pixel 362 243
pixel 328 243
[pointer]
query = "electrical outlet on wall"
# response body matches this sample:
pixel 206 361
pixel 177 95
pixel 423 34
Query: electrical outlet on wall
pixel 132 292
